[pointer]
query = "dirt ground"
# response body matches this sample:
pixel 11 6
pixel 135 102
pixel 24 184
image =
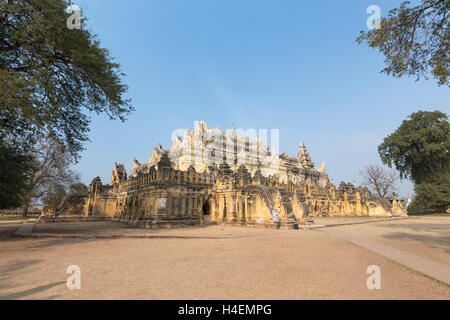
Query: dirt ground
pixel 428 237
pixel 235 263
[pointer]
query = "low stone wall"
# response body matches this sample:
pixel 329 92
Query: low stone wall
pixel 19 212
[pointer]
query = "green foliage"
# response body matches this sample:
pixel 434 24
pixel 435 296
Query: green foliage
pixel 78 188
pixel 14 169
pixel 420 147
pixel 52 77
pixel 434 193
pixel 415 40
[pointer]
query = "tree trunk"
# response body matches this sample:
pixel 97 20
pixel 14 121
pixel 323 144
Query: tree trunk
pixel 440 209
pixel 27 203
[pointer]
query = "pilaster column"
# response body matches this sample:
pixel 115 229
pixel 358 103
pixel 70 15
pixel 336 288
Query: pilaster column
pixel 224 207
pixel 183 205
pixel 243 207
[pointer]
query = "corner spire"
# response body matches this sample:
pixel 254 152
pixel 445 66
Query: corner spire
pixel 303 157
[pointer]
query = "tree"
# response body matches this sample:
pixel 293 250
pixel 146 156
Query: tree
pixel 78 188
pixel 14 169
pixel 52 77
pixel 50 173
pixel 419 148
pixel 434 193
pixel 414 40
pixel 54 195
pixel 379 180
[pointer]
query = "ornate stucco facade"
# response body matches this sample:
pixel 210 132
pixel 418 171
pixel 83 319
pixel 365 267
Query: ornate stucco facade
pixel 211 176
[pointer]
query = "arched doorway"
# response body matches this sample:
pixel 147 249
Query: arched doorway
pixel 206 209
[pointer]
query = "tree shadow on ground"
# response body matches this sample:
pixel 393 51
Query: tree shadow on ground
pixel 47 243
pixel 8 230
pixel 29 292
pixel 39 243
pixel 420 227
pixel 76 227
pixel 433 234
pixel 8 271
pixel 105 228
pixel 439 240
pixel 17 265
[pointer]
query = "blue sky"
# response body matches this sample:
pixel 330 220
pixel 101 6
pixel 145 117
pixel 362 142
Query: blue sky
pixel 265 64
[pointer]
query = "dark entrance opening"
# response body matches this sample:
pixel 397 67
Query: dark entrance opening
pixel 206 209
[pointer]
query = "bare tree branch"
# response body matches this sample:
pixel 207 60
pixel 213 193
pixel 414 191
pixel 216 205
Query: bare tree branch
pixel 51 172
pixel 379 180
